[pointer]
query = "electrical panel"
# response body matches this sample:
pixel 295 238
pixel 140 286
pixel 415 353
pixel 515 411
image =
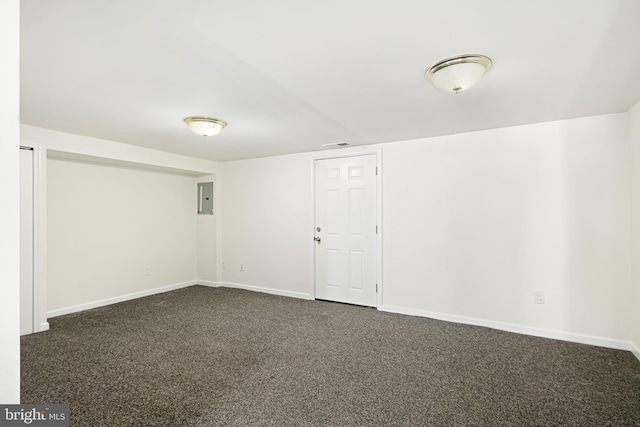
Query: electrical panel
pixel 205 198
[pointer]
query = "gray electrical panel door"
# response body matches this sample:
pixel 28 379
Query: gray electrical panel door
pixel 205 198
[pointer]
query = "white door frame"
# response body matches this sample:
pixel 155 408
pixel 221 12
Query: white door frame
pixel 340 155
pixel 39 237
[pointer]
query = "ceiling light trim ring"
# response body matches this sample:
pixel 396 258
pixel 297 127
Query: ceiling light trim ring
pixel 482 60
pixel 462 59
pixel 198 124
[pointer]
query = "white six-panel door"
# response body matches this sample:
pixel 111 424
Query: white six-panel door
pixel 345 232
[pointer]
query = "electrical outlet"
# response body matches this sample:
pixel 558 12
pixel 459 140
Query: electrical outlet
pixel 223 265
pixel 147 271
pixel 538 297
pixel 242 266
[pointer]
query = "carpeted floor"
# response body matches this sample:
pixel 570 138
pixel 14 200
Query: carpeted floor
pixel 213 356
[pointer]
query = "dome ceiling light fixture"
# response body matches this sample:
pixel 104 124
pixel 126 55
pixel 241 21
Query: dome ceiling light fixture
pixel 205 126
pixel 458 73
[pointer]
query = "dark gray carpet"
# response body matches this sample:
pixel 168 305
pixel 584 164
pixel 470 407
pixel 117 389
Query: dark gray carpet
pixel 206 357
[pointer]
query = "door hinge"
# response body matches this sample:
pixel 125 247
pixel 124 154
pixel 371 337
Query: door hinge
pixel 376 288
pixel 376 229
pixel 376 170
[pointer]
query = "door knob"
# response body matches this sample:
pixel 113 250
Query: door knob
pixel 317 239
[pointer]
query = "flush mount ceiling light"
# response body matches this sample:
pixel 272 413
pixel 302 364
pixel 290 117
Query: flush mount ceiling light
pixel 458 73
pixel 205 126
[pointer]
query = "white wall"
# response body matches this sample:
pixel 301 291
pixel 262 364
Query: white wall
pixel 472 225
pixel 634 122
pixel 475 223
pixel 9 210
pixel 107 223
pixel 265 223
pixel 151 196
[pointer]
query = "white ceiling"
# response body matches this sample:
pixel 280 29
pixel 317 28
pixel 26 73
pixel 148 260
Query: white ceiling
pixel 291 75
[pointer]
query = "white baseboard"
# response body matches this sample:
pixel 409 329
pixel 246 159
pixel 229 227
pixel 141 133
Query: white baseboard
pixel 208 283
pixel 280 292
pixel 509 327
pixel 635 349
pixel 114 300
pixel 519 329
pixel 149 292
